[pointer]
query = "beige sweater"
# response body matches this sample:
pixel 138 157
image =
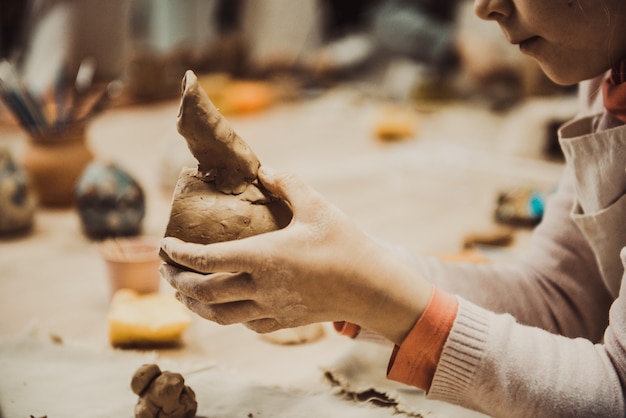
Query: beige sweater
pixel 547 337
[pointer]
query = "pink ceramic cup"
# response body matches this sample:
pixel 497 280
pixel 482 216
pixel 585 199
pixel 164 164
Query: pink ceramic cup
pixel 132 263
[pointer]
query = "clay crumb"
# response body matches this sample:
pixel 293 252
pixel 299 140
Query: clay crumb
pixel 57 339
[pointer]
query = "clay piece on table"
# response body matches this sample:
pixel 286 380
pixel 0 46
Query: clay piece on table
pixel 17 199
pixel 297 335
pixel 221 199
pixel 162 394
pixel 395 123
pixel 110 202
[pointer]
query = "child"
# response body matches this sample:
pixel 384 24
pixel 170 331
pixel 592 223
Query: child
pixel 545 337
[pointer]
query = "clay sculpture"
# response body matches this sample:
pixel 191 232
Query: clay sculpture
pixel 162 394
pixel 222 199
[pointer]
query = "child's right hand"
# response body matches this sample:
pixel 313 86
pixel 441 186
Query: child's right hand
pixel 319 268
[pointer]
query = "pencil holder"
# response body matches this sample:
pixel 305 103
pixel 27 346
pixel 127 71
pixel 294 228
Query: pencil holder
pixel 54 162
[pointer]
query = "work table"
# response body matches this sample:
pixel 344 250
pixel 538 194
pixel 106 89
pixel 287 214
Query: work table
pixel 425 192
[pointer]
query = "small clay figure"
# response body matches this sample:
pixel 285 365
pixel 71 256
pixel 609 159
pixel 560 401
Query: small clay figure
pixel 162 394
pixel 222 199
pixel 110 202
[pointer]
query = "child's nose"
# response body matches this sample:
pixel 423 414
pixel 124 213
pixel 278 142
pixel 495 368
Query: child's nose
pixel 493 9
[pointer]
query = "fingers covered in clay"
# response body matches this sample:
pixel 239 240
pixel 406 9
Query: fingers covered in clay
pixel 321 267
pixel 225 313
pixel 230 256
pixel 214 288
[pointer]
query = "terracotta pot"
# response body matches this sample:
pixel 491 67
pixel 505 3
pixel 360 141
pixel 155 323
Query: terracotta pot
pixel 132 263
pixel 54 164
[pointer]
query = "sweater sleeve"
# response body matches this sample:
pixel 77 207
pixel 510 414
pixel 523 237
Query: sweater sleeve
pixel 415 360
pixel 495 365
pixel 347 328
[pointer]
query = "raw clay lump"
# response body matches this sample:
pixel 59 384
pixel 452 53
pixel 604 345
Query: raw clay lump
pixel 221 200
pixel 162 394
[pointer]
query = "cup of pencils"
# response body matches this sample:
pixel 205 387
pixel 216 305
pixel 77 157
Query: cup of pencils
pixel 57 150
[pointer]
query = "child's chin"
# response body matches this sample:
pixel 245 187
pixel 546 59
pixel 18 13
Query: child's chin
pixel 563 77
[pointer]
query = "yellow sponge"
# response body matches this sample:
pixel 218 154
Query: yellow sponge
pixel 146 320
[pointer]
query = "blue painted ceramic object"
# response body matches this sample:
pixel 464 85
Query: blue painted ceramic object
pixel 109 201
pixel 17 200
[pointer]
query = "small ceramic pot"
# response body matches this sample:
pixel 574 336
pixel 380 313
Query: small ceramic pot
pixel 54 164
pixel 132 263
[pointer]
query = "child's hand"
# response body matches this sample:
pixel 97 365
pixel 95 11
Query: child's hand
pixel 321 267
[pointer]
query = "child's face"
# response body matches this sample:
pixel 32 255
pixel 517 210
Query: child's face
pixel 573 40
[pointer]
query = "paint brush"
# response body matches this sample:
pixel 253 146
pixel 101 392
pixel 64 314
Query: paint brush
pixel 82 97
pixel 20 102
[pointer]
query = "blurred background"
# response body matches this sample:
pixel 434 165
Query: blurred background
pixel 413 116
pixel 420 48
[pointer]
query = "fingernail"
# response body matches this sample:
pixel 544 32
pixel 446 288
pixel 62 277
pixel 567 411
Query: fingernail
pixel 163 270
pixel 179 297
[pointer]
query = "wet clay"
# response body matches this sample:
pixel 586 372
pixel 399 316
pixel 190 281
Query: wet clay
pixel 162 394
pixel 222 199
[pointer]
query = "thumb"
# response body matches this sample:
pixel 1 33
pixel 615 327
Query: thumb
pixel 287 187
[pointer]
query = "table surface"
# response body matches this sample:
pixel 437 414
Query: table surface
pixel 424 192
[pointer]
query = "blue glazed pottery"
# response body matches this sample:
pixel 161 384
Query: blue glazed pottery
pixel 17 201
pixel 109 201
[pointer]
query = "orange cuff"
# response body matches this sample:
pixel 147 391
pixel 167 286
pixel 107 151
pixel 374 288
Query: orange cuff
pixel 415 360
pixel 347 328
